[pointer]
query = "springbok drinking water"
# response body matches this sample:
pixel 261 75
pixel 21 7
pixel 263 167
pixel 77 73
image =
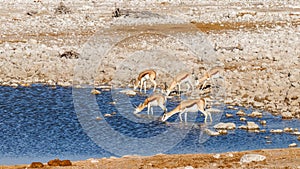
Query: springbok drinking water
pixel 186 106
pixel 154 100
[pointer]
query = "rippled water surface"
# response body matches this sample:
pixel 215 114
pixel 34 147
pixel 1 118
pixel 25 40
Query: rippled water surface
pixel 40 123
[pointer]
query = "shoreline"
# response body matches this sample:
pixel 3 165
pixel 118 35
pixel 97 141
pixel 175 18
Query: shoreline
pixel 274 158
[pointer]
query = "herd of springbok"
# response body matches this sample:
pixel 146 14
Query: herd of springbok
pixel 160 99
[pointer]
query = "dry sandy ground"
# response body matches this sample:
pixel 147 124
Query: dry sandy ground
pixel 276 158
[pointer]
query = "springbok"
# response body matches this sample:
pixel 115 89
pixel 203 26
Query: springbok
pixel 186 106
pixel 154 100
pixel 143 77
pixel 182 78
pixel 208 75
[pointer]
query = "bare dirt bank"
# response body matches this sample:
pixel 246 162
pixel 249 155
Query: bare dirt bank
pixel 276 158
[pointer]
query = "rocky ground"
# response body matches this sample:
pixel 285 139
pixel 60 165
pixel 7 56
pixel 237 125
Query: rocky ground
pixel 256 42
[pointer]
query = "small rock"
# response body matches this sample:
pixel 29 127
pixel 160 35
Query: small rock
pixel 54 162
pixel 287 115
pixel 216 156
pixel 255 114
pixel 95 92
pixel 247 158
pixel 212 133
pixel 62 9
pixel 288 129
pixel 263 122
pixel 252 126
pixel 65 163
pixel 276 131
pixel 296 133
pixel 129 92
pixel 240 113
pixel 223 132
pixel 243 119
pixel 298 138
pixel 225 126
pixel 293 145
pixel 243 127
pixel 107 115
pixel 70 55
pixel 36 165
pixel 228 115
pixel 92 160
pixel 229 155
pixel 98 118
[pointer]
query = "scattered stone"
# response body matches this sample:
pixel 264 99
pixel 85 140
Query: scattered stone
pixel 243 127
pixel 107 115
pixel 243 119
pixel 263 130
pixel 212 133
pixel 228 115
pixel 129 92
pixel 296 133
pixel 252 126
pixel 288 129
pixel 223 132
pixel 247 158
pixel 263 122
pixel 95 91
pixel 276 131
pixel 54 162
pixel 293 145
pixel 31 13
pixel 36 165
pixel 267 137
pixel 255 114
pixel 65 163
pixel 228 126
pixel 287 115
pixel 240 113
pixel 58 162
pixel 217 156
pixel 92 160
pixel 98 118
pixel 62 9
pixel 70 55
pixel 298 138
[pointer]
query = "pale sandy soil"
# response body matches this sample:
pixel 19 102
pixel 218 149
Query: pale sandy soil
pixel 275 159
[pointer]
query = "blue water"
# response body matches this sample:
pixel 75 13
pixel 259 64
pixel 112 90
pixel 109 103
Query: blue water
pixel 39 123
